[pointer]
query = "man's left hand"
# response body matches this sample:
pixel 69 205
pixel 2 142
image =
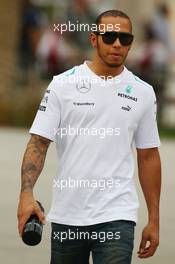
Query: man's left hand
pixel 150 234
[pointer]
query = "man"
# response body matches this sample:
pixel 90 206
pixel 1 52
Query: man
pixel 111 99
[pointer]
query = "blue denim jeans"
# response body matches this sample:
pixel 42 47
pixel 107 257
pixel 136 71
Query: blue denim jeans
pixel 110 243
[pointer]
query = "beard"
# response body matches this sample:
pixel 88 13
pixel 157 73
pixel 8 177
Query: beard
pixel 103 58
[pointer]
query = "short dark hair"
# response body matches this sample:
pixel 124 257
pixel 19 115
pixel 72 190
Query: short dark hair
pixel 112 13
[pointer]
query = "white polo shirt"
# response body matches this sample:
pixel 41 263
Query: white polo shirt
pixel 95 124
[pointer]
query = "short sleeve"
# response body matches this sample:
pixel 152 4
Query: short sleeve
pixel 146 134
pixel 48 116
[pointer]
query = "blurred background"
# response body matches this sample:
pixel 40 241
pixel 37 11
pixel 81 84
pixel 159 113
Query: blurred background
pixel 31 53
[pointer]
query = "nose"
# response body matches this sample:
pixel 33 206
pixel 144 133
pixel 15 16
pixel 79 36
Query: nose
pixel 117 43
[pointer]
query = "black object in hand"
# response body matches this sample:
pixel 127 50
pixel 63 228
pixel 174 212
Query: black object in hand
pixel 33 228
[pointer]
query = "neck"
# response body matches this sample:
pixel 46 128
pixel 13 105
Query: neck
pixel 102 69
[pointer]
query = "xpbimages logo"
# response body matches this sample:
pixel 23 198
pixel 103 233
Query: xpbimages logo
pixel 82 235
pixel 101 132
pixel 80 27
pixel 100 184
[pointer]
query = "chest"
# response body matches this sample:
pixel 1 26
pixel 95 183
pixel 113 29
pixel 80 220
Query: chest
pixel 102 105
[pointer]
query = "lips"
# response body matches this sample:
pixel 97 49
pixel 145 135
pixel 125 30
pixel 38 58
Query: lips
pixel 115 54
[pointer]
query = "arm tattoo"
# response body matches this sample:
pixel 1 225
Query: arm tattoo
pixel 33 161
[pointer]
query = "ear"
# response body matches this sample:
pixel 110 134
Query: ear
pixel 93 39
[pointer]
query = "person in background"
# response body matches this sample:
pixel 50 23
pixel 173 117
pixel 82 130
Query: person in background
pixel 55 53
pixel 152 64
pixel 79 12
pixel 161 27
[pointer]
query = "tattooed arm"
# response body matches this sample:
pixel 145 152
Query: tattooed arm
pixel 33 162
pixel 32 166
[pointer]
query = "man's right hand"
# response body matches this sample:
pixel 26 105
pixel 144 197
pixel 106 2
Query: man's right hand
pixel 28 206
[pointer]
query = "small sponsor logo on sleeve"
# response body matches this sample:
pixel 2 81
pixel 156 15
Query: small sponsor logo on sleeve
pixel 45 99
pixel 42 108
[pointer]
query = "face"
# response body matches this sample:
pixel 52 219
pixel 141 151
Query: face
pixel 113 55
